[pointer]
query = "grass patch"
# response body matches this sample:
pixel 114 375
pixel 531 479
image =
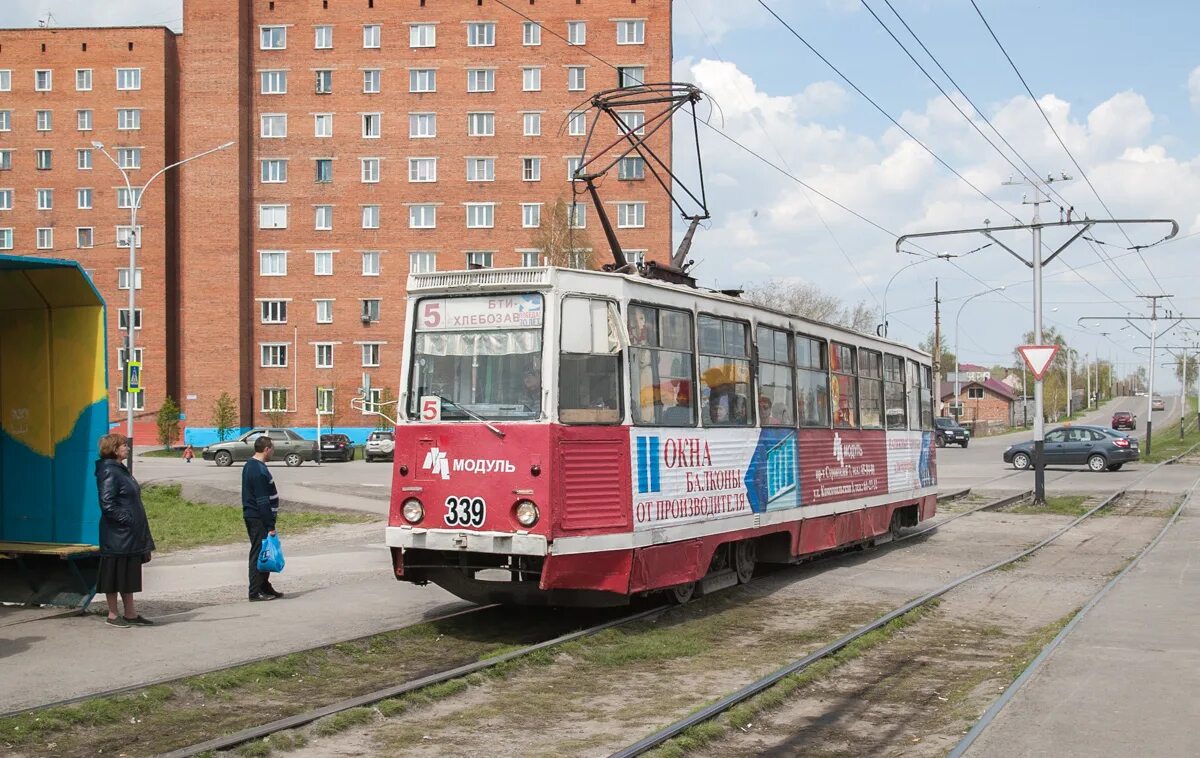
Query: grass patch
pixel 1167 443
pixel 178 523
pixel 1062 505
pixel 340 722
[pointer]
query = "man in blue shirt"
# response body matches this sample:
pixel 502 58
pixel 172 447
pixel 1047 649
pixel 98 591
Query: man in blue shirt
pixel 260 505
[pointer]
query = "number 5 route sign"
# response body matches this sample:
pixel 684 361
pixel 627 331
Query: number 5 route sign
pixel 431 408
pixel 1038 358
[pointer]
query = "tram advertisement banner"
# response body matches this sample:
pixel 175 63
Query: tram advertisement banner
pixel 694 475
pixel 842 464
pixel 910 461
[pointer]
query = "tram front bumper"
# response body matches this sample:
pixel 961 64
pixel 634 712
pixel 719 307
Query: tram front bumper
pixel 496 543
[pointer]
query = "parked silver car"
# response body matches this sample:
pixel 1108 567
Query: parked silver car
pixel 290 447
pixel 380 446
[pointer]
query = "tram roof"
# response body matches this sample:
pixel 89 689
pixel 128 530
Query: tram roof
pixel 579 280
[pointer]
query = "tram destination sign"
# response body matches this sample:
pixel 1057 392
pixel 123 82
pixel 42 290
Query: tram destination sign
pixel 489 312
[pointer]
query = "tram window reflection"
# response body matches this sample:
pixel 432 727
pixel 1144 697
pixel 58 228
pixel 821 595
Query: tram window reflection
pixel 812 381
pixel 926 397
pixel 776 400
pixel 844 385
pixel 661 366
pixel 914 395
pixel 893 392
pixel 590 363
pixel 724 373
pixel 870 388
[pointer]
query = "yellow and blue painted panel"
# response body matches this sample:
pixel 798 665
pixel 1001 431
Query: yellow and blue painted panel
pixel 53 400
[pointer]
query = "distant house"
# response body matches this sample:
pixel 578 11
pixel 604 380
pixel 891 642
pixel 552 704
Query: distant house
pixel 988 402
pixel 969 372
pixel 1014 383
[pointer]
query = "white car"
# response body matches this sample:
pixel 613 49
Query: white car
pixel 380 446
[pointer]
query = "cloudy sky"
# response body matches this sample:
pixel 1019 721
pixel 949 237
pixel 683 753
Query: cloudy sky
pixel 1119 81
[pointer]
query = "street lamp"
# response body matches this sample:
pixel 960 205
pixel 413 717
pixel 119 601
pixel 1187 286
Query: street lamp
pixel 135 202
pixel 957 373
pixel 881 330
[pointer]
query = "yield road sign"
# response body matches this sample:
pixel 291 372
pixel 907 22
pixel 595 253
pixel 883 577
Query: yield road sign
pixel 1038 358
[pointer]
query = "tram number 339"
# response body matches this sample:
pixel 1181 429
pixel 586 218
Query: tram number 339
pixel 465 511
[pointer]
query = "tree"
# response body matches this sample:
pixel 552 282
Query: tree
pixel 276 417
pixel 329 418
pixel 1192 365
pixel 224 416
pixel 948 358
pixel 168 422
pixel 386 406
pixel 558 243
pixel 805 299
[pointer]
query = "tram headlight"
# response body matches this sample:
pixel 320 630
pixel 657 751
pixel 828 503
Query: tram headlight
pixel 527 513
pixel 413 511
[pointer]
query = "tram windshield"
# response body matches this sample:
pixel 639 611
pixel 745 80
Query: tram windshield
pixel 479 355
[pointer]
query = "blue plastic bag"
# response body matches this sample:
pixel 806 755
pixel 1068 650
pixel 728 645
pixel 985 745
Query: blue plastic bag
pixel 270 555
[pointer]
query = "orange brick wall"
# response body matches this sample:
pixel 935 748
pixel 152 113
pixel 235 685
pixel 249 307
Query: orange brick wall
pixel 991 408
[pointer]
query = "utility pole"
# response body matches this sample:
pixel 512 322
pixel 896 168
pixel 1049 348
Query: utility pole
pixel 937 343
pixel 1036 262
pixel 1069 372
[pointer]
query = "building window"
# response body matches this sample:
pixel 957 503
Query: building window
pixel 274 171
pixel 123 279
pixel 45 199
pixel 324 311
pixel 43 159
pixel 323 218
pixel 129 78
pixel 129 119
pixel 481 169
pixel 974 393
pixel 322 124
pixel 43 80
pixel 422 80
pixel 481 215
pixel 531 79
pixel 323 84
pixel 636 257
pixel 422 262
pixel 139 400
pixel 324 352
pixel 530 258
pixel 531 169
pixel 481 34
pixel 479 259
pixel 83 199
pixel 481 124
pixel 128 157
pixel 371 81
pixel 577 217
pixel 422 217
pixel 481 80
pixel 84 120
pixel 122 236
pixel 370 170
pixel 371 260
pixel 83 159
pixel 371 125
pixel 273 82
pixel 576 32
pixel 43 121
pixel 370 309
pixel 274 400
pixel 531 124
pixel 531 33
pixel 272 217
pixel 123 320
pixel 370 354
pixel 631 32
pixel 577 124
pixel 531 215
pixel 274 311
pixel 5 121
pixel 6 239
pixel 631 76
pixel 576 78
pixel 371 36
pixel 632 167
pixel 370 217
pixel 273 125
pixel 422 125
pixel 6 199
pixel 323 37
pixel 84 236
pixel 129 197
pixel 422 169
pixel 5 80
pixel 631 122
pixel 272 263
pixel 422 35
pixel 323 263
pixel 6 160
pixel 631 215
pixel 323 170
pixel 272 38
pixel 573 165
pixel 83 79
pixel 325 400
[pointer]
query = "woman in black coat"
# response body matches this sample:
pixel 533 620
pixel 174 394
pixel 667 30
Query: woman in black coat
pixel 125 541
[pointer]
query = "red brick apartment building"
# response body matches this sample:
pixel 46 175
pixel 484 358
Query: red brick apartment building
pixel 373 138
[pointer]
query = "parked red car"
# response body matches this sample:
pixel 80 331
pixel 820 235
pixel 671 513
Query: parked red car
pixel 1124 420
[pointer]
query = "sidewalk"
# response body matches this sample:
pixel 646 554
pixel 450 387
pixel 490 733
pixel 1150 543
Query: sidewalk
pixel 1126 682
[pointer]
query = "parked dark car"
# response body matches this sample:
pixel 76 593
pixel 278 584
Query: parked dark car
pixel 950 432
pixel 1124 420
pixel 1093 446
pixel 290 447
pixel 336 447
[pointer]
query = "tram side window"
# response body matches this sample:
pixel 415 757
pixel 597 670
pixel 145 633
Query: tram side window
pixel 870 388
pixel 893 392
pixel 914 395
pixel 590 362
pixel 776 398
pixel 661 366
pixel 812 381
pixel 725 372
pixel 926 397
pixel 844 388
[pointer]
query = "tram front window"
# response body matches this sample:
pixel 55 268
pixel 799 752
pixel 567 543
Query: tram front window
pixel 494 374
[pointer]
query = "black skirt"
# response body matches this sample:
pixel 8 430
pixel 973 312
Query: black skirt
pixel 119 573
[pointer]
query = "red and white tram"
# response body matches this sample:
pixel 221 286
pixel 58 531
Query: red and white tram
pixel 579 437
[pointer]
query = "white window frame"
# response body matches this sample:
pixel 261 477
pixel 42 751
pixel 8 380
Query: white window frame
pixel 631 215
pixel 370 354
pixel 371 216
pixel 631 122
pixel 270 216
pixel 272 355
pixel 421 80
pixel 573 164
pixel 274 257
pixel 123 321
pixel 481 80
pixel 370 170
pixel 422 216
pixel 6 199
pixel 84 118
pixel 128 197
pixel 530 258
pixel 319 31
pixel 577 124
pixel 43 80
pixel 531 215
pixel 83 198
pixel 418 120
pixel 372 308
pixel 274 399
pixel 422 35
pixel 129 79
pixel 372 81
pixel 327 349
pixel 83 80
pixel 323 81
pixel 91 237
pixel 531 169
pixel 274 120
pixel 318 163
pixel 129 157
pixel 6 238
pixel 123 279
pixel 422 262
pixel 43 120
pixel 5 120
pixel 272 37
pixel 622 72
pixel 139 399
pixel 481 124
pixel 321 213
pixel 631 31
pixel 577 216
pixel 370 120
pixel 273 170
pixel 121 236
pixel 422 170
pixel 324 310
pixel 531 34
pixel 322 125
pixel 481 215
pixel 5 80
pixel 45 199
pixel 372 262
pixel 321 257
pixel 576 33
pixel 272 81
pixel 129 119
pixel 531 124
pixel 631 160
pixel 481 34
pixel 45 237
pixel 325 400
pixel 43 159
pixel 83 159
pixel 576 78
pixel 531 79
pixel 482 258
pixel 481 169
pixel 372 36
pixel 273 311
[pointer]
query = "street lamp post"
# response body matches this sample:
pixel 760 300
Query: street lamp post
pixel 957 359
pixel 882 329
pixel 135 203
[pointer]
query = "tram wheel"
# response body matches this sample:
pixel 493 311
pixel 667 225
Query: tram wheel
pixel 745 555
pixel 681 594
